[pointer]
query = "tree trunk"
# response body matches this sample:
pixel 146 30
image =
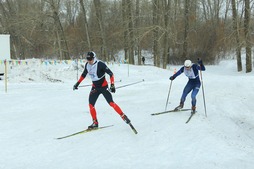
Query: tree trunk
pixel 131 33
pixel 236 30
pixel 186 29
pixel 166 48
pixel 62 43
pixel 85 24
pixel 125 31
pixel 137 40
pixel 156 55
pixel 97 4
pixel 247 35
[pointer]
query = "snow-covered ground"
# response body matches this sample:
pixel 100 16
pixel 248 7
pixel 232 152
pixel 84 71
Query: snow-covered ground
pixel 40 106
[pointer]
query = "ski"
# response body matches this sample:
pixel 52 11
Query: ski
pixel 169 111
pixel 84 131
pixel 190 117
pixel 133 129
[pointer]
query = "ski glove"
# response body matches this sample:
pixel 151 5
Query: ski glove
pixel 112 88
pixel 75 87
pixel 171 78
pixel 200 62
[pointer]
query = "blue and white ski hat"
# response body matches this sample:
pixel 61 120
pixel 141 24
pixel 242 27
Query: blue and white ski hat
pixel 187 63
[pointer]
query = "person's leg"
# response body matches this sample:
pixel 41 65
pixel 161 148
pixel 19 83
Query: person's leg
pixel 109 98
pixel 193 97
pixel 186 91
pixel 93 96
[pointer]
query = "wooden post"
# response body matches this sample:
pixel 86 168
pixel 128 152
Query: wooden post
pixel 5 75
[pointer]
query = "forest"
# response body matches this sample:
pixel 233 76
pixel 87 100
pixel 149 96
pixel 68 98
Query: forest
pixel 172 30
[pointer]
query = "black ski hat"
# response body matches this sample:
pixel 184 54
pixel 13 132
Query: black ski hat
pixel 90 55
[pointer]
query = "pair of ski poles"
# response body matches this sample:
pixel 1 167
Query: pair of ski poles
pixel 202 91
pixel 87 85
pixel 119 86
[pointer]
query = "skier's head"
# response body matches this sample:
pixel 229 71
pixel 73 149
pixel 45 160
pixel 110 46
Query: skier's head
pixel 90 56
pixel 187 63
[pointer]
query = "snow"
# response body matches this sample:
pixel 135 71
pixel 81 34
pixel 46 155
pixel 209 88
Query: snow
pixel 40 106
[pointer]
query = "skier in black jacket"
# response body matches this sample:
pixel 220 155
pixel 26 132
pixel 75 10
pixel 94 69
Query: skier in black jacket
pixel 96 69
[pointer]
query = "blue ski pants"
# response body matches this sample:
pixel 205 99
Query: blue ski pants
pixel 191 86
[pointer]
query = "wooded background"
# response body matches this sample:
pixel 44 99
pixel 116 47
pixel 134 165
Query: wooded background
pixel 173 30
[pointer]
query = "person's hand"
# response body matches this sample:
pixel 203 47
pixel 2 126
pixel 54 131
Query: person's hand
pixel 112 88
pixel 171 78
pixel 75 87
pixel 200 62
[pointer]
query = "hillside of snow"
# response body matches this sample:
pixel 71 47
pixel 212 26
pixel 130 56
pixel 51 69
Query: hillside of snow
pixel 40 106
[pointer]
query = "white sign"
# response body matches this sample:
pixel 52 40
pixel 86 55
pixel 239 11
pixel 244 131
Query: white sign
pixel 5 50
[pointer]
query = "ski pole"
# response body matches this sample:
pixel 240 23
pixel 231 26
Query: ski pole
pixel 130 84
pixel 85 85
pixel 77 70
pixel 169 91
pixel 168 94
pixel 203 90
pixel 91 84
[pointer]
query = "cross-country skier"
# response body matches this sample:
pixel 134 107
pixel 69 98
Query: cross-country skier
pixel 191 71
pixel 96 69
pixel 143 60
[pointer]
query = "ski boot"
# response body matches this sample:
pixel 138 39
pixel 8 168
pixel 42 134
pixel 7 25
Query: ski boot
pixel 193 109
pixel 94 125
pixel 125 118
pixel 179 107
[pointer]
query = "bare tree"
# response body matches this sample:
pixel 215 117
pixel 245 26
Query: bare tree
pixel 130 31
pixel 60 36
pixel 186 28
pixel 85 23
pixel 125 29
pixel 71 8
pixel 8 19
pixel 171 29
pixel 156 53
pixel 247 35
pixel 100 21
pixel 137 32
pixel 166 48
pixel 237 38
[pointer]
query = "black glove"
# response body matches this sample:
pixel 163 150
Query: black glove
pixel 200 62
pixel 171 78
pixel 112 88
pixel 75 87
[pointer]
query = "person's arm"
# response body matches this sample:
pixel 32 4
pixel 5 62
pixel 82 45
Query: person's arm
pixel 180 71
pixel 81 78
pixel 201 65
pixel 112 79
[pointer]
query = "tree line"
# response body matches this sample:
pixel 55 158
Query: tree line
pixel 173 30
